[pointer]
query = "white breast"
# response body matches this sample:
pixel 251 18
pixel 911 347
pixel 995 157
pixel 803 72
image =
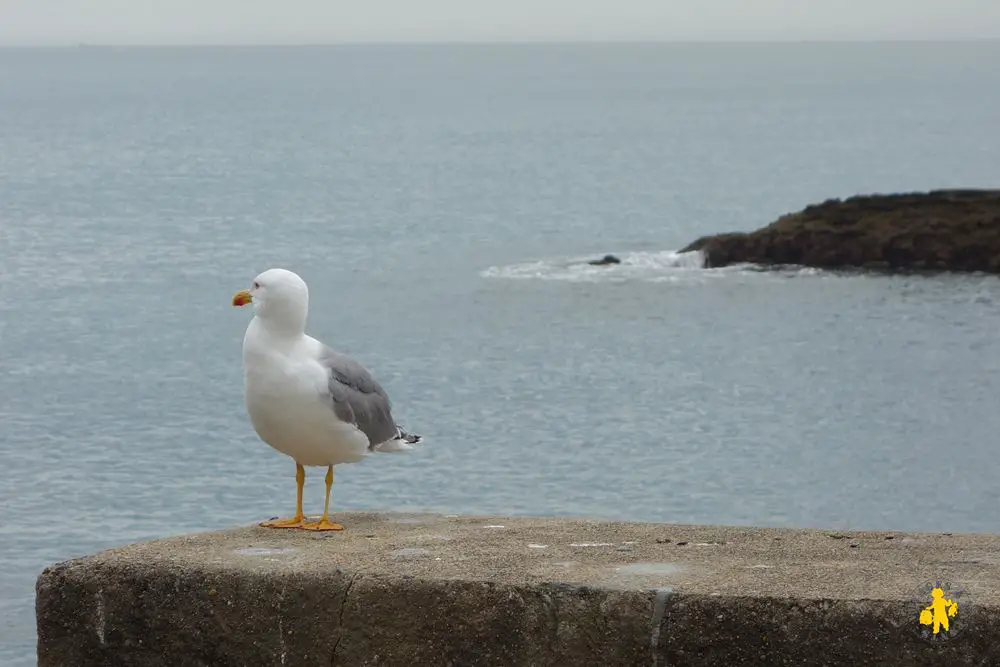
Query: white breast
pixel 282 392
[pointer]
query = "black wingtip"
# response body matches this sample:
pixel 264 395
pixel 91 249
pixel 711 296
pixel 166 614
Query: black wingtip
pixel 408 438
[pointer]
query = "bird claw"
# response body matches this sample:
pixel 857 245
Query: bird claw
pixel 322 525
pixel 294 522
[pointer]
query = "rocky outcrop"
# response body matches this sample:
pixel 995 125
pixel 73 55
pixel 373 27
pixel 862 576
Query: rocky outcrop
pixel 604 261
pixel 941 230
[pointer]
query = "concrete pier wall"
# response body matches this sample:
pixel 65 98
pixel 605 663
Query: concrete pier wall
pixel 441 590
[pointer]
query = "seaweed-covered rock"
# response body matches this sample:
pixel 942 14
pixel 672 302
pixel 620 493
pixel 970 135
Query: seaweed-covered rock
pixel 941 230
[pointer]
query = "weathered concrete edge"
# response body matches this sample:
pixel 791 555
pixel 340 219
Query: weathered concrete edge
pixel 92 613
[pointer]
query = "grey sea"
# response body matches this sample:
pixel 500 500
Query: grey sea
pixel 441 202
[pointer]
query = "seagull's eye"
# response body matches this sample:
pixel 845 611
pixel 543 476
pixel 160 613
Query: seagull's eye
pixel 256 285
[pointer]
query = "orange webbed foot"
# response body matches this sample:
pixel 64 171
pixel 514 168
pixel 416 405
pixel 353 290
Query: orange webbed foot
pixel 323 524
pixel 294 522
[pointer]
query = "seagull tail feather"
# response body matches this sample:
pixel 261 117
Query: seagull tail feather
pixel 402 442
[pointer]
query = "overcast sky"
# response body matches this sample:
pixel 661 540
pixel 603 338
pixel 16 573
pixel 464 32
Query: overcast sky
pixel 331 21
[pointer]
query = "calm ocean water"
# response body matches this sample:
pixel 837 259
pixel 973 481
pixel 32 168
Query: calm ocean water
pixel 437 200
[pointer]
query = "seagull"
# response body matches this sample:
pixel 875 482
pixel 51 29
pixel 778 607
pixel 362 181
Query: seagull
pixel 305 400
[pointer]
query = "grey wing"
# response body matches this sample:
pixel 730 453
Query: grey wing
pixel 357 398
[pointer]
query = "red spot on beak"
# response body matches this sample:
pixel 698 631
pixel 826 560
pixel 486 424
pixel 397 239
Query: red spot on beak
pixel 242 298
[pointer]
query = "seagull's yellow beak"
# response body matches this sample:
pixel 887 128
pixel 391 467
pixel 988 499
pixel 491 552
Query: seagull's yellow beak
pixel 242 298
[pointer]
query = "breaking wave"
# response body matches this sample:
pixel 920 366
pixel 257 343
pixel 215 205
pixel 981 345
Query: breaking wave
pixel 662 266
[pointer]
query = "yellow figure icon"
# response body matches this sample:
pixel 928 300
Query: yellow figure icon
pixel 938 611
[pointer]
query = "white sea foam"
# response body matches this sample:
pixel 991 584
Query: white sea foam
pixel 654 267
pixel 634 266
pixel 664 266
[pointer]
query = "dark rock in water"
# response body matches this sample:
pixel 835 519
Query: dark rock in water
pixel 607 259
pixel 941 230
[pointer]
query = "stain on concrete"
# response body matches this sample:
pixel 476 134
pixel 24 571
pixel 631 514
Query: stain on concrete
pixel 263 551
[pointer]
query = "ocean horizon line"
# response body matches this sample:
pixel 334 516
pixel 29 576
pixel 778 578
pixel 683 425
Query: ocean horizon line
pixel 82 44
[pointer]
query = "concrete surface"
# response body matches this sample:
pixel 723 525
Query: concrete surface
pixel 443 590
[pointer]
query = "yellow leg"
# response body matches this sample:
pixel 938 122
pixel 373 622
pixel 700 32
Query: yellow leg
pixel 299 519
pixel 324 522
